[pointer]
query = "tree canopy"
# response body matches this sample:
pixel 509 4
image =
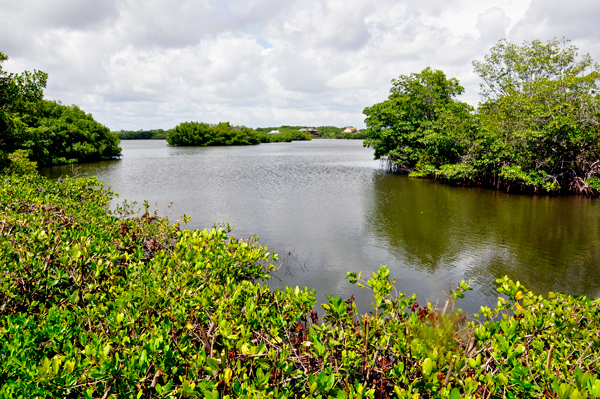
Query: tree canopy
pixel 50 132
pixel 421 122
pixel 537 127
pixel 19 96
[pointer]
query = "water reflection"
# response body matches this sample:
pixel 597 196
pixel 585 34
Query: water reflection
pixel 546 243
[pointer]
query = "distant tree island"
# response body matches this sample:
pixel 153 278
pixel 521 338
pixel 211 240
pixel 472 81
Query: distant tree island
pixel 224 133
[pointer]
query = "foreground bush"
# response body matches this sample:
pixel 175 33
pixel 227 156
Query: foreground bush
pixel 96 303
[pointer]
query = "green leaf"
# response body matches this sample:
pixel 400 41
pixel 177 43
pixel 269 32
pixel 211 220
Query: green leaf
pixel 575 394
pixel 427 366
pixel 213 364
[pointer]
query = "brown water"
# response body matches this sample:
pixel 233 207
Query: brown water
pixel 327 208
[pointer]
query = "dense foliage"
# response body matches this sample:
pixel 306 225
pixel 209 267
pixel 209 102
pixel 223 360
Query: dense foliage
pixel 97 303
pixel 537 129
pixel 223 133
pixel 154 134
pixel 198 133
pixel 62 134
pixel 19 95
pixel 329 131
pixel 50 132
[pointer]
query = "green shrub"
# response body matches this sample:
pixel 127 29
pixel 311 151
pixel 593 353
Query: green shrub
pixel 18 163
pixel 594 182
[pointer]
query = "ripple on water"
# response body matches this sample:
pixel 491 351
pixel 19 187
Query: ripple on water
pixel 327 203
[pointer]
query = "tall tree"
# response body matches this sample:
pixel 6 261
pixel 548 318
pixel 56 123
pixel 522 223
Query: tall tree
pixel 20 95
pixel 50 132
pixel 540 102
pixel 537 128
pixel 409 126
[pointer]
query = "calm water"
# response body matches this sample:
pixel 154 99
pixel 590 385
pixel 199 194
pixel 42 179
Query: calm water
pixel 327 208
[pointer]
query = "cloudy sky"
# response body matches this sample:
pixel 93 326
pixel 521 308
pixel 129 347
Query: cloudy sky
pixel 143 64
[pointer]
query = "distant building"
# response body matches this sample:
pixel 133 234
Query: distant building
pixel 310 130
pixel 274 131
pixel 351 129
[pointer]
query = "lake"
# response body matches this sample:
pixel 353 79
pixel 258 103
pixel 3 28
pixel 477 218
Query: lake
pixel 327 208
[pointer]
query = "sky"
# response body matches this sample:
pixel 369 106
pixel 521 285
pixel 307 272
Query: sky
pixel 149 64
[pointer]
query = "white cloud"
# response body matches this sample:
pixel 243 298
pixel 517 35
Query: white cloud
pixel 154 63
pixel 492 24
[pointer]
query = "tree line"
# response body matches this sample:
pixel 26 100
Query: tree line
pixel 153 134
pixel 48 131
pixel 51 133
pixel 325 132
pixel 536 129
pixel 224 133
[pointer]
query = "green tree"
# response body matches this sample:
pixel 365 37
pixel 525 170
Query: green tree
pixel 51 133
pixel 66 134
pixel 410 128
pixel 537 128
pixel 541 109
pixel 189 133
pixel 20 95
